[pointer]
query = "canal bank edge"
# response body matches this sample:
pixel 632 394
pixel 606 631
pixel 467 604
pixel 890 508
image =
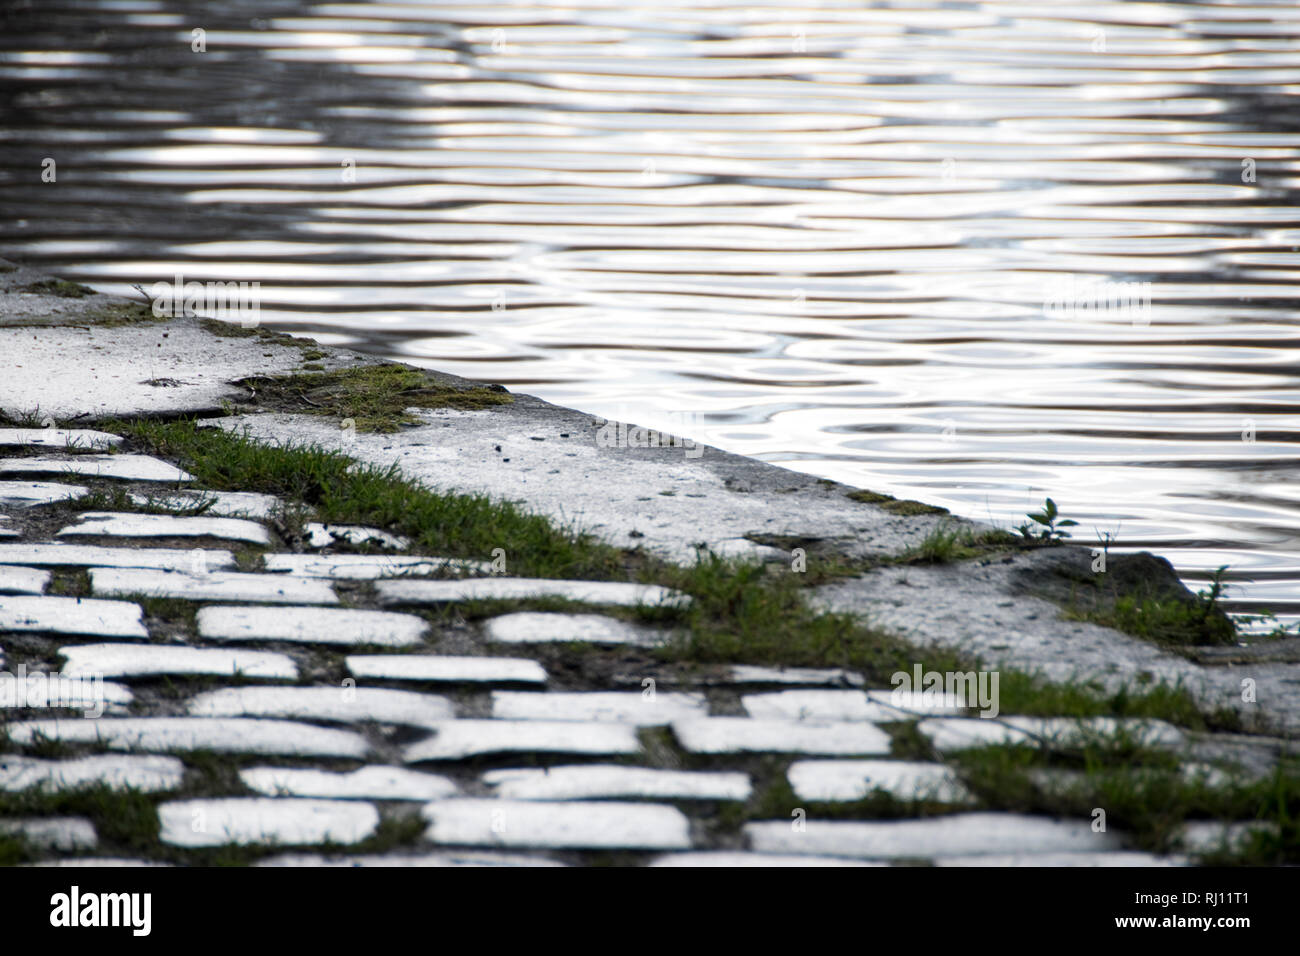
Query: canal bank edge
pixel 77 357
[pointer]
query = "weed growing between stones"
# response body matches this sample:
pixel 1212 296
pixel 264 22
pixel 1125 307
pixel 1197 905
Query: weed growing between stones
pixel 947 543
pixel 1143 792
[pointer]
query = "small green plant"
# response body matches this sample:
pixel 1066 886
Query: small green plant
pixel 1050 525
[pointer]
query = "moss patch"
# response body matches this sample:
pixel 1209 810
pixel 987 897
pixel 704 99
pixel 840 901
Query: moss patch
pixel 374 397
pixel 895 505
pixel 59 287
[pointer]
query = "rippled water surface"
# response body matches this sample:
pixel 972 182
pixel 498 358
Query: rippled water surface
pixel 877 242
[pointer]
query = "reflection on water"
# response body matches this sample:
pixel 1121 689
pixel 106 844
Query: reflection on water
pixel 906 246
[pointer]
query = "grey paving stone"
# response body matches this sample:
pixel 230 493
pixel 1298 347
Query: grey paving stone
pixel 324 535
pixel 730 859
pixel 964 834
pixel 129 467
pixel 469 589
pixel 444 858
pixel 287 821
pixel 919 702
pixel 429 667
pixel 138 660
pixel 368 783
pixel 218 504
pixel 72 439
pixel 366 567
pixel 54 833
pixel 1209 836
pixel 717 735
pixel 961 733
pixel 458 739
pixel 212 586
pixel 543 627
pixel 15 579
pixel 116 862
pixel 148 773
pixel 837 780
pixel 746 549
pixel 342 704
pixel 226 735
pixel 605 781
pixel 27 494
pixel 834 677
pixel 50 554
pixel 166 526
pixel 40 690
pixel 1116 858
pixel 523 823
pixel 817 705
pixel 69 615
pixel 628 707
pixel 311 625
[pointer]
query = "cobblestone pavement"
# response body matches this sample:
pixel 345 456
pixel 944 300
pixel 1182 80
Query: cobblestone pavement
pixel 311 704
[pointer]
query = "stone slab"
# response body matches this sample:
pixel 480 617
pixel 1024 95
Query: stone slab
pixel 248 821
pixel 340 704
pixel 825 781
pixel 618 706
pixel 430 667
pixel 718 735
pixel 27 494
pixel 54 833
pixel 544 627
pixel 218 504
pixel 817 705
pixel 166 526
pixel 117 368
pixel 523 823
pixel 147 773
pixel 212 586
pixel 1115 858
pixel 51 554
pixel 311 625
pixel 366 567
pixel 961 733
pixel 458 739
pixel 730 859
pixel 326 535
pixel 127 467
pixel 368 783
pixel 69 615
pixel 964 834
pixel 833 677
pixel 471 589
pixel 227 735
pixel 16 579
pixel 72 439
pixel 46 691
pixel 446 858
pixel 614 781
pixel 146 660
pixel 919 702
